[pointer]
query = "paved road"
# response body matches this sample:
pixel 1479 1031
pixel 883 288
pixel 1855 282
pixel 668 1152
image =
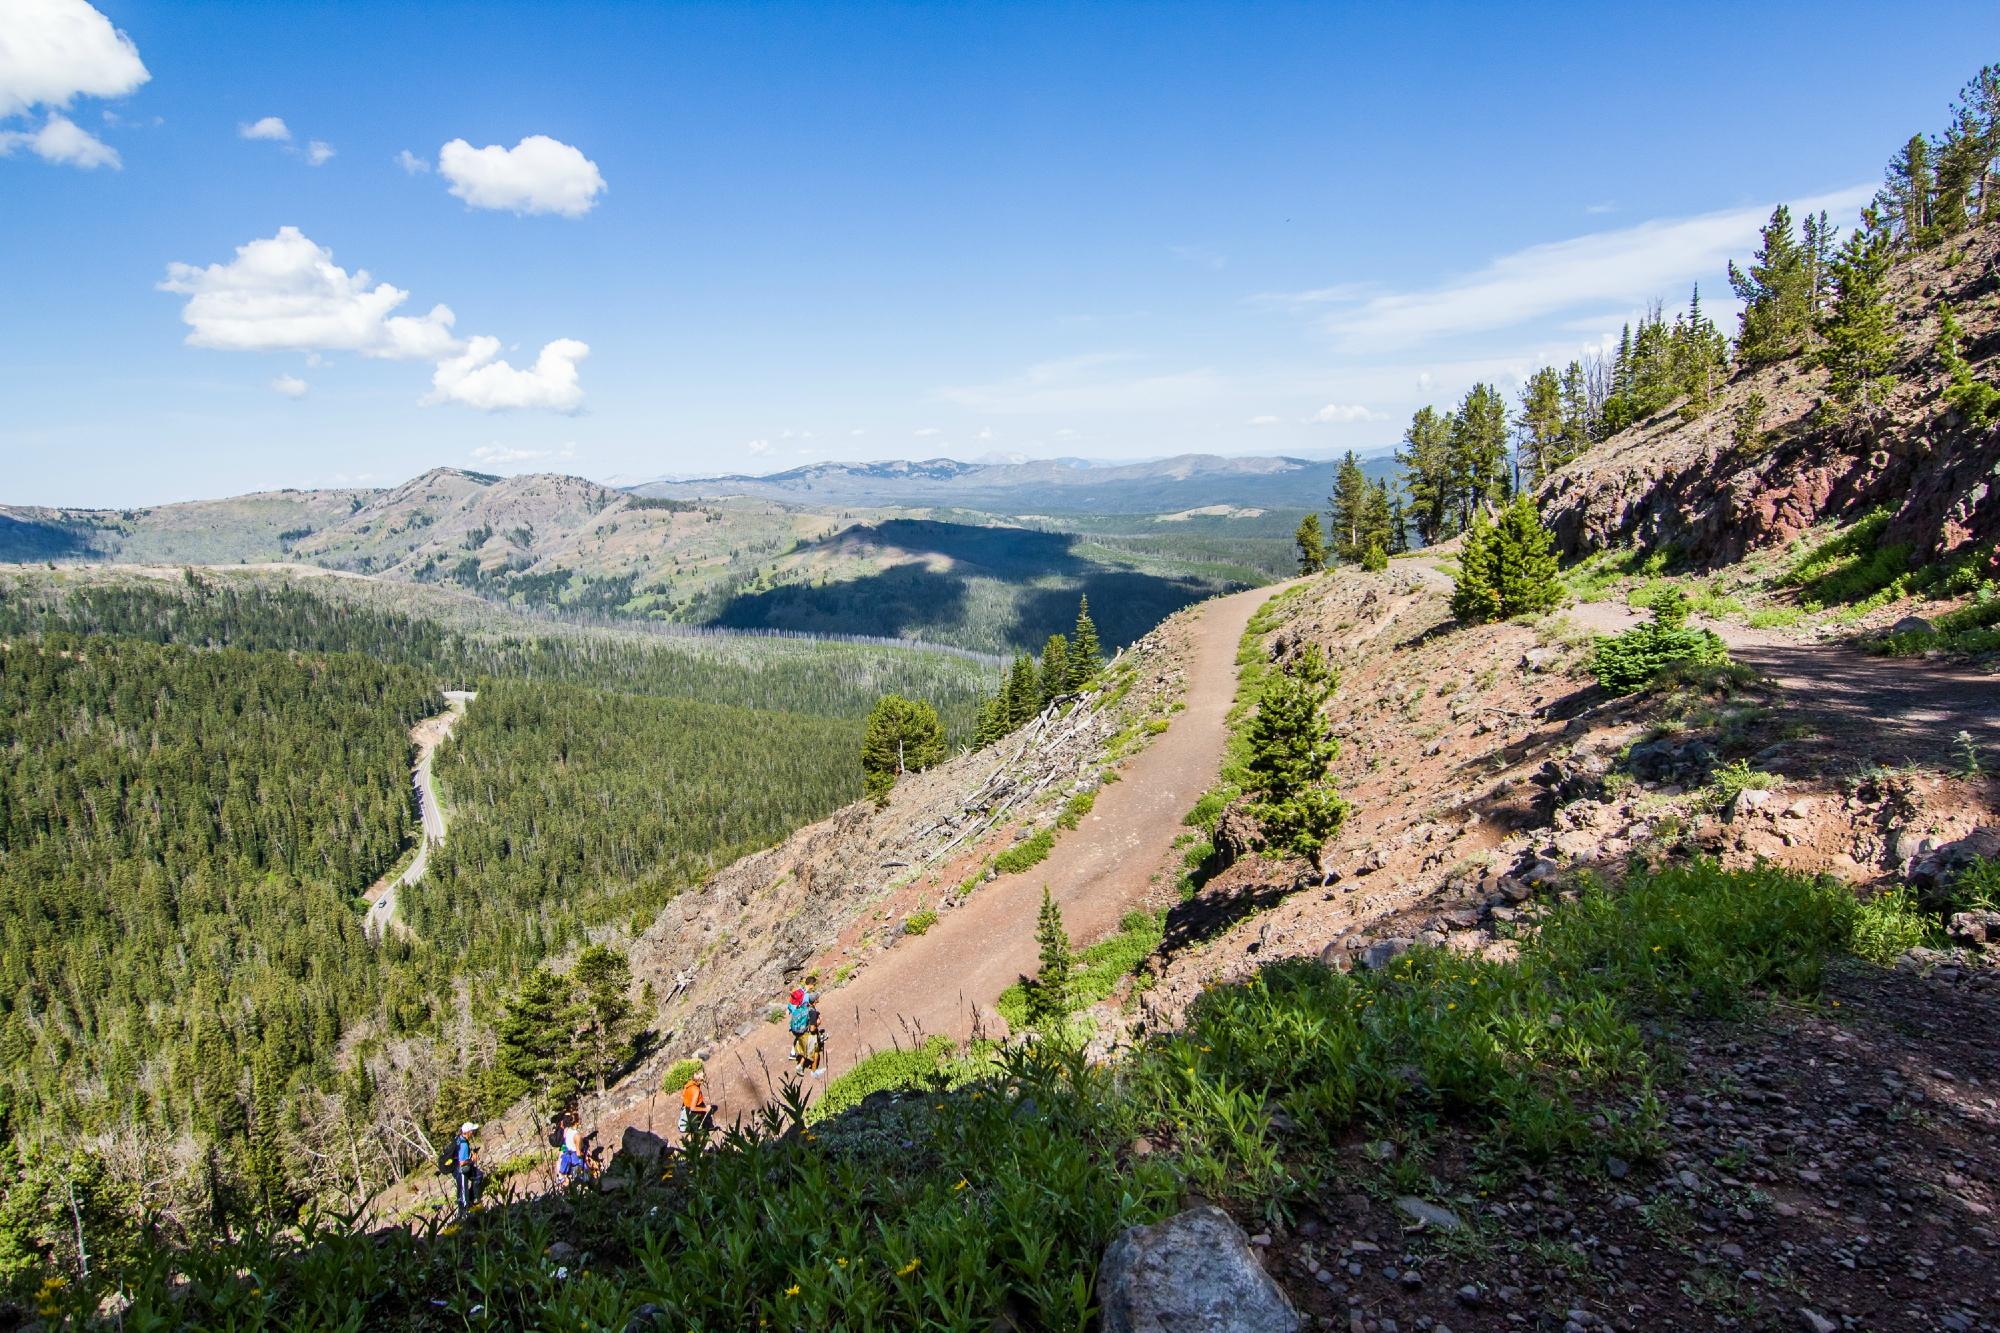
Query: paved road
pixel 427 735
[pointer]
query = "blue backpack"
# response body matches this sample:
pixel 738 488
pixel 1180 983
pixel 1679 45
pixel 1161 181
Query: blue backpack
pixel 801 1016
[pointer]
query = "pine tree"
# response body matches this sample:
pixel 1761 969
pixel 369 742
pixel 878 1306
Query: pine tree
pixel 602 978
pixel 1296 805
pixel 1821 236
pixel 1907 193
pixel 1349 503
pixel 905 736
pixel 1086 654
pixel 1960 166
pixel 1507 567
pixel 1859 329
pixel 1399 524
pixel 1426 460
pixel 1478 446
pixel 536 1036
pixel 993 720
pixel 1980 101
pixel 1051 995
pixel 1023 693
pixel 1975 400
pixel 1056 670
pixel 1578 418
pixel 1776 295
pixel 1540 424
pixel 1312 545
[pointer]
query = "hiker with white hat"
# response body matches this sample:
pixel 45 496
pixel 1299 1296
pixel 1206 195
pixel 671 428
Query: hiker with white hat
pixel 467 1158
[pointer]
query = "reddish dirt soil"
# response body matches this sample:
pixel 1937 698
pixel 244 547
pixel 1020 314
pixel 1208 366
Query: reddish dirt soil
pixel 946 981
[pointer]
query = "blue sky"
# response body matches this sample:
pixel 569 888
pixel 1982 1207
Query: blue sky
pixel 788 233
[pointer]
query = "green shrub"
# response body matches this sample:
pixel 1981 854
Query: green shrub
pixel 1291 748
pixel 920 921
pixel 1075 808
pixel 891 1070
pixel 1888 924
pixel 1027 854
pixel 1976 887
pixel 678 1073
pixel 1629 662
pixel 1733 779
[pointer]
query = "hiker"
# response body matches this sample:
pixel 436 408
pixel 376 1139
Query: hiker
pixel 467 1158
pixel 695 1106
pixel 572 1160
pixel 808 1038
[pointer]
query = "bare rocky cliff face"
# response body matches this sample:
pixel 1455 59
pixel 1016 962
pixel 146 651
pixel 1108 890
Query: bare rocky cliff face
pixel 1688 486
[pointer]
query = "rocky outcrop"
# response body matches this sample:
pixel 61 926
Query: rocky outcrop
pixel 1690 487
pixel 1193 1273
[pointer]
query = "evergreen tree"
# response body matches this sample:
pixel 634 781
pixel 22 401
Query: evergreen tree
pixel 993 720
pixel 1057 676
pixel 1507 567
pixel 1312 545
pixel 602 978
pixel 1023 693
pixel 1478 445
pixel 1960 167
pixel 1399 524
pixel 1859 331
pixel 1540 425
pixel 1907 193
pixel 1821 236
pixel 1980 100
pixel 536 1039
pixel 1426 460
pixel 1296 805
pixel 1578 416
pixel 905 736
pixel 1698 354
pixel 1051 994
pixel 1975 400
pixel 1086 654
pixel 1776 295
pixel 1349 503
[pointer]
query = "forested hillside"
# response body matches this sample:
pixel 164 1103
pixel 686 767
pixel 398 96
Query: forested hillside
pixel 199 777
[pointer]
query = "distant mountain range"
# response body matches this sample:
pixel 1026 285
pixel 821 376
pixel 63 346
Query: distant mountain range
pixel 1058 485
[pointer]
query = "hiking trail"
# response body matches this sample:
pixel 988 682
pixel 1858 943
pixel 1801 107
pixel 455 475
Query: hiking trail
pixel 939 982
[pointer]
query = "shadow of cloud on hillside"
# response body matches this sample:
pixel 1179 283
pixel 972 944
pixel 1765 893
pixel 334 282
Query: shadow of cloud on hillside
pixel 22 540
pixel 914 601
pixel 906 602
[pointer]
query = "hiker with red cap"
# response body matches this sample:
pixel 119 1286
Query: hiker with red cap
pixel 808 1040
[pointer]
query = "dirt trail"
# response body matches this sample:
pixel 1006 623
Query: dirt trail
pixel 427 735
pixel 1893 710
pixel 933 984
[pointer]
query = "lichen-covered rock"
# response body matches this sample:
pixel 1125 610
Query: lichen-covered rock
pixel 1193 1273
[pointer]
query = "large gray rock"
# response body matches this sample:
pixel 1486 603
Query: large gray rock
pixel 1193 1273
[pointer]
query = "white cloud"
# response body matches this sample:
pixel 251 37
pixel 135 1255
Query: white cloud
pixel 412 164
pixel 61 140
pixel 756 447
pixel 504 455
pixel 926 432
pixel 1081 384
pixel 1342 412
pixel 985 433
pixel 1596 210
pixel 270 127
pixel 52 51
pixel 476 378
pixel 1628 265
pixel 285 293
pixel 1263 421
pixel 536 175
pixel 290 385
pixel 318 152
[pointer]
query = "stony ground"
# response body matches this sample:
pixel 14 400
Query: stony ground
pixel 1831 1167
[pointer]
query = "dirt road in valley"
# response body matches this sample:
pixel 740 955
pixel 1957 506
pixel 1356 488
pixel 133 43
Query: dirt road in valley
pixel 937 982
pixel 427 735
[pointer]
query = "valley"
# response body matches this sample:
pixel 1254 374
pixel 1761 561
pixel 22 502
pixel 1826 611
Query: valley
pixel 1543 876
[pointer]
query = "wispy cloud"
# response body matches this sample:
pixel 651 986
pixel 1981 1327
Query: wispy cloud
pixel 1628 265
pixel 1266 420
pixel 1088 383
pixel 270 127
pixel 1200 256
pixel 318 153
pixel 291 386
pixel 1343 412
pixel 411 164
pixel 506 455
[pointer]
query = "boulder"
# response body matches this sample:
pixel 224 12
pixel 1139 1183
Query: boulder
pixel 642 1146
pixel 1384 952
pixel 1237 833
pixel 1671 759
pixel 1975 928
pixel 1913 625
pixel 1193 1273
pixel 1430 1216
pixel 1540 659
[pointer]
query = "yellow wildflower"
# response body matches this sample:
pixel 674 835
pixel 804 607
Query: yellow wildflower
pixel 908 1268
pixel 961 1183
pixel 792 1290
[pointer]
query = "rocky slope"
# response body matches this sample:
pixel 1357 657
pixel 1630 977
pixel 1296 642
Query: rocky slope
pixel 1688 486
